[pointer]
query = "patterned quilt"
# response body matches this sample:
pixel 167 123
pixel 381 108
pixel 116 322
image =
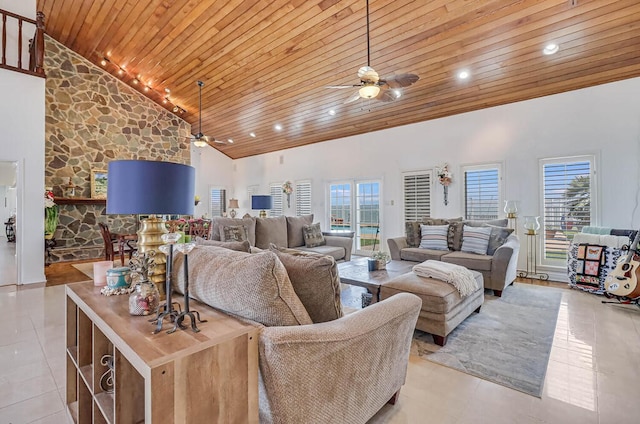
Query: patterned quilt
pixel 589 264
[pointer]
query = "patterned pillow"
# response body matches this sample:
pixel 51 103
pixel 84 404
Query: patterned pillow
pixel 475 239
pixel 233 233
pixel 413 233
pixel 313 235
pixel 434 237
pixel 241 246
pixel 497 238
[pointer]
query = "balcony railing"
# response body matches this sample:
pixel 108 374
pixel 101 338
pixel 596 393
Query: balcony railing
pixel 13 27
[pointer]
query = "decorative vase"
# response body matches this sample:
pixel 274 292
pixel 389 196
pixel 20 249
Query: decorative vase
pixel 145 299
pixel 382 264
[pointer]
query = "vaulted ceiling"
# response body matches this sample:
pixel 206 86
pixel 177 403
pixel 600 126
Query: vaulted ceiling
pixel 269 62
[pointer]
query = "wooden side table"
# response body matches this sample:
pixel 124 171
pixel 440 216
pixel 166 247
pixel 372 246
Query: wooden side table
pixel 184 377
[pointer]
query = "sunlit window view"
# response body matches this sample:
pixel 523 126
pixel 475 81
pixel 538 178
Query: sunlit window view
pixel 357 211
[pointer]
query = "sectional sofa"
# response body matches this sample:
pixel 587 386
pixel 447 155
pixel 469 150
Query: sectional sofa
pixel 499 268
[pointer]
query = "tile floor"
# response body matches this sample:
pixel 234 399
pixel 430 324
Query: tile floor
pixel 593 374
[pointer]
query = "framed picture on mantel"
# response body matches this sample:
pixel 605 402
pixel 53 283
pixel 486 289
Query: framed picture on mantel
pixel 98 184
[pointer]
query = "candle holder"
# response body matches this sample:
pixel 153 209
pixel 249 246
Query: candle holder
pixel 166 310
pixel 185 248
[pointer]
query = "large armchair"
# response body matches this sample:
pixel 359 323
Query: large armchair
pixel 340 371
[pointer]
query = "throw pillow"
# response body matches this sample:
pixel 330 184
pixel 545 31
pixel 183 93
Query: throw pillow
pixel 413 233
pixel 475 239
pixel 271 230
pixel 233 233
pixel 454 236
pixel 295 238
pixel 240 246
pixel 497 238
pixel 252 286
pixel 250 223
pixel 434 237
pixel 313 235
pixel 494 222
pixel 315 280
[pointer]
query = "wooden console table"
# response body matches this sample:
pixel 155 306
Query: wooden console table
pixel 184 377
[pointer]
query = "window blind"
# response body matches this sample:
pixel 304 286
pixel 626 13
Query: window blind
pixel 303 197
pixel 481 193
pixel 275 190
pixel 218 200
pixel 417 195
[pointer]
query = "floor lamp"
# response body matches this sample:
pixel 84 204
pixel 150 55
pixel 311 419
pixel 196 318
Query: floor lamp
pixel 142 187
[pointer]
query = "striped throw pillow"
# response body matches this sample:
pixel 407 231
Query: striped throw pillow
pixel 475 239
pixel 434 237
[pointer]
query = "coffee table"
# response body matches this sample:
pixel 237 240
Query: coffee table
pixel 356 273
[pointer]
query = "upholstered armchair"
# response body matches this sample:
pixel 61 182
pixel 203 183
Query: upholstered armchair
pixel 340 371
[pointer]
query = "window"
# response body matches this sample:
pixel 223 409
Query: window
pixel 568 203
pixel 355 206
pixel 275 190
pixel 302 192
pixel 340 206
pixel 217 201
pixel 482 191
pixel 417 195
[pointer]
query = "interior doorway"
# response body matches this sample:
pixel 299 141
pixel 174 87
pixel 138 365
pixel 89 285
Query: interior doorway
pixel 8 230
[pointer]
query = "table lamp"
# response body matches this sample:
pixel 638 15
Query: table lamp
pixel 262 202
pixel 143 187
pixel 233 205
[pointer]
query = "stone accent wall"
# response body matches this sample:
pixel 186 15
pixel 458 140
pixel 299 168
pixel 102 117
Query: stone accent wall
pixel 93 118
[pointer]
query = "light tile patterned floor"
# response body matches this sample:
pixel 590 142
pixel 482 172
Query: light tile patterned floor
pixel 593 375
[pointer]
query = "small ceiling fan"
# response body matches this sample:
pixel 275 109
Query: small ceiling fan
pixel 199 139
pixel 371 86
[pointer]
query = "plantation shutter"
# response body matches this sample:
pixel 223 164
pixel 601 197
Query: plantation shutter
pixel 217 202
pixel 303 197
pixel 482 193
pixel 568 203
pixel 275 190
pixel 417 195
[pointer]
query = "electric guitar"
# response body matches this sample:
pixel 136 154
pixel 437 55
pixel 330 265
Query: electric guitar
pixel 623 281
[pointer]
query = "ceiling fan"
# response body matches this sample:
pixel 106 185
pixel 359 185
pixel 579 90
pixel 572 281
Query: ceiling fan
pixel 371 86
pixel 199 139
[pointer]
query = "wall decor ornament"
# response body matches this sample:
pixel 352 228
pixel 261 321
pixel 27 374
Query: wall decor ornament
pixel 445 177
pixel 98 184
pixel 287 188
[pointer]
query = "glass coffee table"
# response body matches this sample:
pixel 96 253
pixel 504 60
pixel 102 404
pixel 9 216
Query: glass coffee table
pixel 356 273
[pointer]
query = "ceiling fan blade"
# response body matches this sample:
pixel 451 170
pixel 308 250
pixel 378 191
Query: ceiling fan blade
pixel 353 98
pixel 386 95
pixel 342 86
pixel 399 81
pixel 215 140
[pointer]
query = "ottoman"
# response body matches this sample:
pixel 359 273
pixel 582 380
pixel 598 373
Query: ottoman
pixel 442 307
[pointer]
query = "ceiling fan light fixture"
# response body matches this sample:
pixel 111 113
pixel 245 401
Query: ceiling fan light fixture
pixel 369 91
pixel 199 143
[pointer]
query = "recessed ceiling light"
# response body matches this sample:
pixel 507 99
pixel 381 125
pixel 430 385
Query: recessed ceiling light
pixel 397 93
pixel 463 74
pixel 165 101
pixel 146 88
pixel 103 62
pixel 277 127
pixel 166 90
pixel 252 134
pixel 109 53
pixel 120 71
pixel 551 48
pixel 331 112
pixel 175 108
pixel 135 81
pixel 230 140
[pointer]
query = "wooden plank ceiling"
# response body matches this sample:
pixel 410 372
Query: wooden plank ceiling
pixel 269 62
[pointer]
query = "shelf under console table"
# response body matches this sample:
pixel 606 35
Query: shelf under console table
pixel 184 377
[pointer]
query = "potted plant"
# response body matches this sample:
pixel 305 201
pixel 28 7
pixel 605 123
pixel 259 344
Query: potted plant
pixel 381 258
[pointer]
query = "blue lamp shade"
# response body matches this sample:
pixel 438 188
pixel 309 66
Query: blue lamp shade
pixel 261 202
pixel 150 188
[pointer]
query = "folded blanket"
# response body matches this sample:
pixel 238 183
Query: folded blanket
pixel 458 276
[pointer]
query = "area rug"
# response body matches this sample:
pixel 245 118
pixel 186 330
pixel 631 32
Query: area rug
pixel 508 342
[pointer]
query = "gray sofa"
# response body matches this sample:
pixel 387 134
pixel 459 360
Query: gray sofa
pixel 316 365
pixel 283 231
pixel 499 270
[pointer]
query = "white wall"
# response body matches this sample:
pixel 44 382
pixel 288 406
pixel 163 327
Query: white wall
pixel 22 140
pixel 604 120
pixel 213 169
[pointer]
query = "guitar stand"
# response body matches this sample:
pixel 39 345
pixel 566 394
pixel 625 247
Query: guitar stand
pixel 621 300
